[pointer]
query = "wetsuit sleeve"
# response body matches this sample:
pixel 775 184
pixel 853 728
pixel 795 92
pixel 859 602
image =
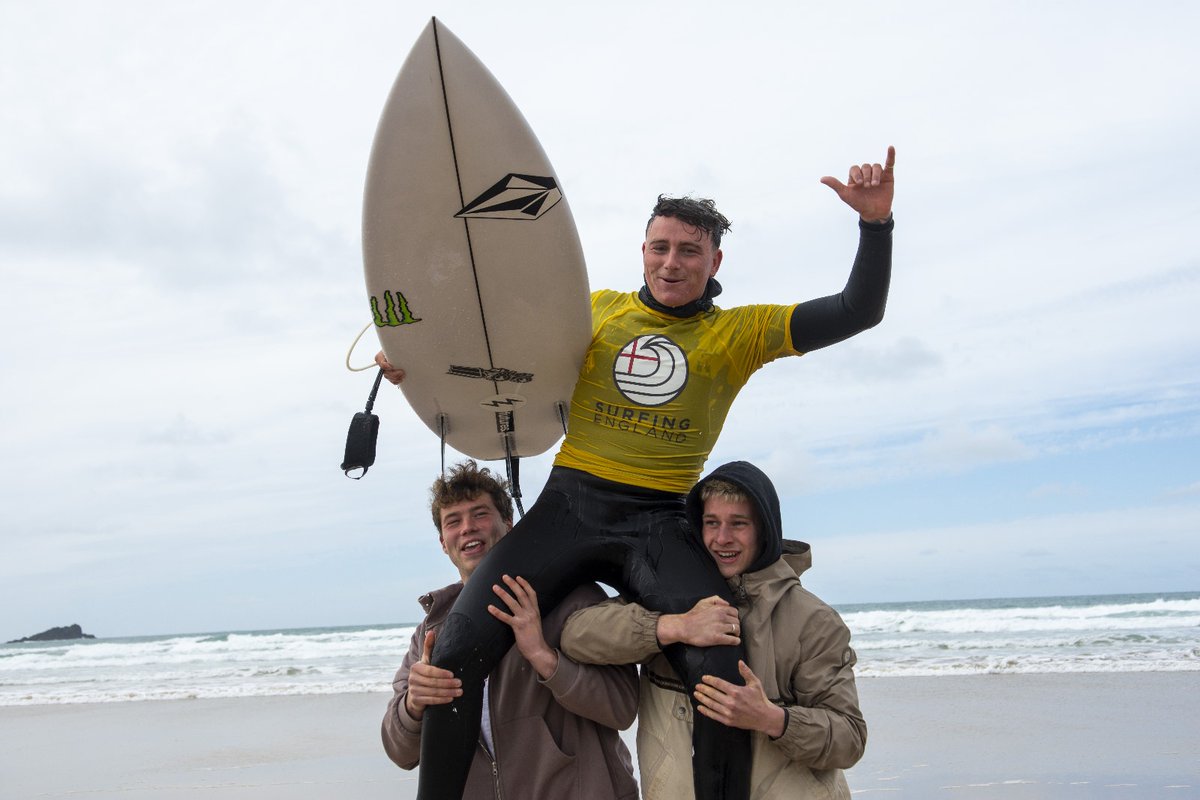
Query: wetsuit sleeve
pixel 826 729
pixel 607 695
pixel 401 733
pixel 613 632
pixel 828 320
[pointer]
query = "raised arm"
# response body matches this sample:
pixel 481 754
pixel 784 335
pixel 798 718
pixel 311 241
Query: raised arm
pixel 860 305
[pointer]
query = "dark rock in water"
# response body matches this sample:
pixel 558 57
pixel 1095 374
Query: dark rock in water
pixel 56 634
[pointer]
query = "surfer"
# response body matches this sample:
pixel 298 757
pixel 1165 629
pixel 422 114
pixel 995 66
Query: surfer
pixel 538 697
pixel 612 509
pixel 800 701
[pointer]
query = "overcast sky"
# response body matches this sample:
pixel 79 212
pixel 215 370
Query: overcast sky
pixel 180 205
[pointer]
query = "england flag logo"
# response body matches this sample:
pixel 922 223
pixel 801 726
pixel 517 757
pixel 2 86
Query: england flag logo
pixel 651 370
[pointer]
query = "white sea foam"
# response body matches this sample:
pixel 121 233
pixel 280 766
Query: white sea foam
pixel 319 661
pixel 1102 634
pixel 1146 615
pixel 1132 633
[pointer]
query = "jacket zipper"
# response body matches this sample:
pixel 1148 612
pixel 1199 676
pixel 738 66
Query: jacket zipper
pixel 494 756
pixel 740 594
pixel 496 780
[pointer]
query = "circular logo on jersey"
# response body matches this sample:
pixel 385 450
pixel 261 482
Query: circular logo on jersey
pixel 650 370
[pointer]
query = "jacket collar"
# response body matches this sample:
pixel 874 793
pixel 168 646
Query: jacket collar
pixel 768 583
pixel 440 599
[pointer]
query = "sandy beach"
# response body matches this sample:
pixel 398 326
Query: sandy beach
pixel 1119 735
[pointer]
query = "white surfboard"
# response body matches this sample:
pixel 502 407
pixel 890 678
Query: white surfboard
pixel 473 264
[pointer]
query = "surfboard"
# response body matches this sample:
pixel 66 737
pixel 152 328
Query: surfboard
pixel 473 264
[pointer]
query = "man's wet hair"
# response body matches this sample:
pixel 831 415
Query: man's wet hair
pixel 466 481
pixel 698 212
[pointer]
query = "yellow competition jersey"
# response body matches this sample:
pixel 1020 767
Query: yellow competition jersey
pixel 654 390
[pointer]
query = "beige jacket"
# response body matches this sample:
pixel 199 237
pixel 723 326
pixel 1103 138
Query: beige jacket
pixel 554 739
pixel 797 646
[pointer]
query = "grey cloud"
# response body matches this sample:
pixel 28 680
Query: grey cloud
pixel 212 215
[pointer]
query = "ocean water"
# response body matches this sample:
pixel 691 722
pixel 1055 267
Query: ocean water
pixel 1106 633
pixel 1114 633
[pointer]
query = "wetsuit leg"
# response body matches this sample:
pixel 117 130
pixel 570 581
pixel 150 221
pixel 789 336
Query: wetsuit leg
pixel 552 549
pixel 671 573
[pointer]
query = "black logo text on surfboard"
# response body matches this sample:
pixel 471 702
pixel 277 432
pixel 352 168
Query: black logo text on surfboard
pixel 490 374
pixel 503 401
pixel 514 197
pixel 395 311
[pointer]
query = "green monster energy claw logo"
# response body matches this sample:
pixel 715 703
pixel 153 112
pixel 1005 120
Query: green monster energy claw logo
pixel 395 311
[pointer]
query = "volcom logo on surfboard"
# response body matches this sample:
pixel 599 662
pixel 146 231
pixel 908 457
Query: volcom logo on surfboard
pixel 514 197
pixel 651 370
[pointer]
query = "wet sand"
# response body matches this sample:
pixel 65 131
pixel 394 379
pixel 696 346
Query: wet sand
pixel 1015 737
pixel 1124 735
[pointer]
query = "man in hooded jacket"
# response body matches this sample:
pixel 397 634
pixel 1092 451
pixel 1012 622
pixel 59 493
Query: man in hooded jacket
pixel 800 699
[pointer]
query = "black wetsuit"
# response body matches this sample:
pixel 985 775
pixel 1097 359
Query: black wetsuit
pixel 635 539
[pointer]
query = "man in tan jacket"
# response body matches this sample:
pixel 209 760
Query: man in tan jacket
pixel 550 724
pixel 799 700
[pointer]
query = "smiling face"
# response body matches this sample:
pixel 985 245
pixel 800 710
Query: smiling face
pixel 730 534
pixel 677 261
pixel 470 529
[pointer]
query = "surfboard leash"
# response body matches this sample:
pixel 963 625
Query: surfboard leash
pixel 354 344
pixel 512 465
pixel 360 439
